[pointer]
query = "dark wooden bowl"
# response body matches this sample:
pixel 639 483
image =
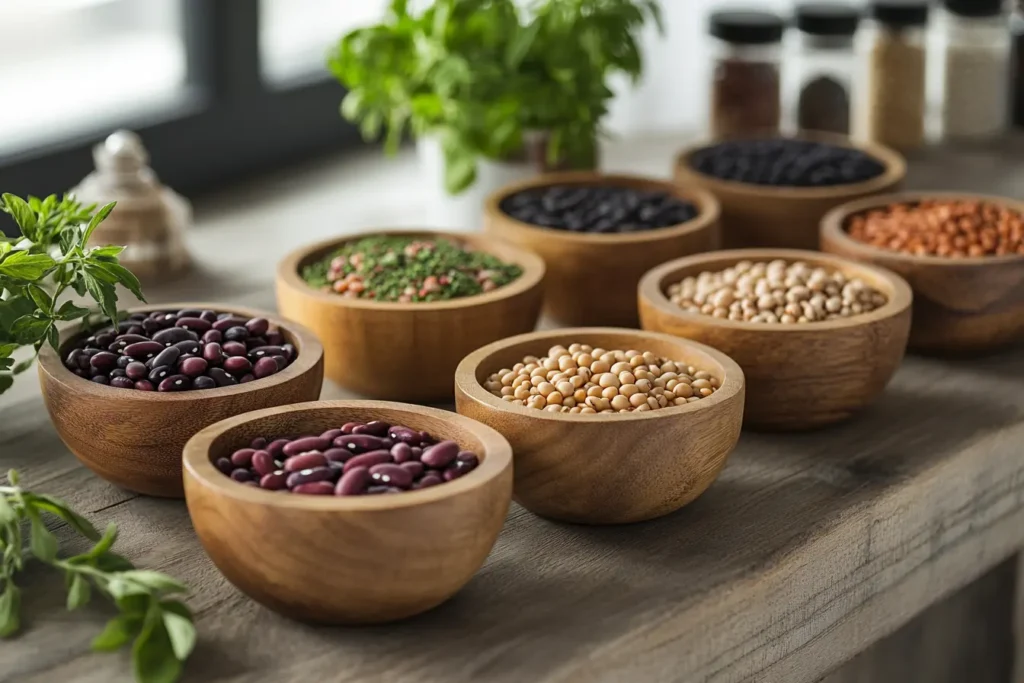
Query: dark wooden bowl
pixel 134 438
pixel 409 351
pixel 608 468
pixel 799 376
pixel 961 306
pixel 348 560
pixel 785 217
pixel 591 278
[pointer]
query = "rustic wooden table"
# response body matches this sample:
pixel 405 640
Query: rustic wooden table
pixel 881 550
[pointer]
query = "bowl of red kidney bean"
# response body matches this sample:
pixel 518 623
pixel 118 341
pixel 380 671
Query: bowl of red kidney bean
pixel 126 399
pixel 348 512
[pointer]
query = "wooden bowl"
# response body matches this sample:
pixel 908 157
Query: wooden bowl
pixel 961 306
pixel 134 438
pixel 798 376
pixel 348 560
pixel 408 351
pixel 591 278
pixel 608 468
pixel 785 217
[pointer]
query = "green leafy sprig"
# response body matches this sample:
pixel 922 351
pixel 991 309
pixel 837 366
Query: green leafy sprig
pixel 151 616
pixel 48 260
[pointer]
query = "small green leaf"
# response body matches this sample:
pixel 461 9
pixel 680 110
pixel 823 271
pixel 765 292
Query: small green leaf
pixel 100 216
pixel 13 477
pixel 112 562
pixel 69 311
pixel 10 608
pixel 155 581
pixel 103 293
pixel 106 252
pixel 153 654
pixel 105 542
pixel 59 509
pixel 7 512
pixel 40 297
pixel 79 592
pixel 22 265
pixel 134 605
pixel 116 633
pixel 42 542
pixel 29 329
pixel 181 631
pixel 53 337
pixel 125 277
pixel 22 212
pixel 7 349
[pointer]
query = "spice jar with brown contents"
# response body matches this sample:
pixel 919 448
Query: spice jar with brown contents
pixel 822 66
pixel 894 111
pixel 745 89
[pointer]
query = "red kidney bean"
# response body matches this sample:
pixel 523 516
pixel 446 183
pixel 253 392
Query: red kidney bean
pixel 103 340
pixel 136 370
pixel 168 356
pixel 173 335
pixel 263 463
pixel 144 385
pixel 261 351
pixel 406 435
pixel 353 482
pixel 224 465
pixel 306 461
pixel 189 346
pixel 197 325
pixel 213 353
pixel 204 382
pixel 308 443
pixel 188 313
pixel 258 326
pixel 233 348
pixel 264 367
pixel 237 365
pixel 116 372
pixel 222 378
pixel 317 488
pixel 393 475
pixel 71 361
pixel 212 337
pixel 331 434
pixel 368 460
pixel 358 443
pixel 246 378
pixel 414 467
pixel 275 481
pixel 104 360
pixel 239 334
pixel 159 374
pixel 124 340
pixel 453 472
pixel 281 361
pixel 338 454
pixel 402 452
pixel 175 383
pixel 193 367
pixel 467 459
pixel 259 443
pixel 274 338
pixel 440 455
pixel 241 474
pixel 309 476
pixel 255 343
pixel 375 427
pixel 430 480
pixel 276 447
pixel 227 323
pixel 348 427
pixel 143 350
pixel 122 383
pixel 242 457
pixel 124 361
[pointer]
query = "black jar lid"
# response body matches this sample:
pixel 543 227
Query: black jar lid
pixel 747 28
pixel 901 13
pixel 975 8
pixel 820 19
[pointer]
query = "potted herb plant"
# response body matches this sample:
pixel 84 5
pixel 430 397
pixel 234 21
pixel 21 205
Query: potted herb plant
pixel 492 92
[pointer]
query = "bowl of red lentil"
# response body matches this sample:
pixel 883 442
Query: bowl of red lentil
pixel 963 255
pixel 396 310
pixel 607 425
pixel 818 336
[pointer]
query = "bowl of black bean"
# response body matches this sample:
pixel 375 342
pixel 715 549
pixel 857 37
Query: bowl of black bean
pixel 774 191
pixel 125 399
pixel 348 512
pixel 598 234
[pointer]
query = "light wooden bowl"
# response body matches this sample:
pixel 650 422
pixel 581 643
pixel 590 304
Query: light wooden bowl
pixel 134 438
pixel 608 468
pixel 785 217
pixel 409 351
pixel 591 278
pixel 798 376
pixel 961 306
pixel 348 560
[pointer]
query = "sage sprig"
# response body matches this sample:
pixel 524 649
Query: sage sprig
pixel 151 615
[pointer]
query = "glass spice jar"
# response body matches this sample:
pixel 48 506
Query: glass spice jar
pixel 745 89
pixel 822 65
pixel 895 45
pixel 976 49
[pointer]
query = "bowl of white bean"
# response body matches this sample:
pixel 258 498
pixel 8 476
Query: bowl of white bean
pixel 818 336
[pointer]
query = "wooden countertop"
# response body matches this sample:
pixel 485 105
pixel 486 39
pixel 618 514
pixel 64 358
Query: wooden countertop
pixel 807 550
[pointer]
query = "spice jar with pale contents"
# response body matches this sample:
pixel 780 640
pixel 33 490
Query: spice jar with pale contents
pixel 822 65
pixel 746 84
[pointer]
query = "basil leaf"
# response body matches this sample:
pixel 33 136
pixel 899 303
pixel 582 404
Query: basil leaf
pixel 181 631
pixel 29 329
pixel 40 297
pixel 105 542
pixel 59 508
pixel 112 562
pixel 155 581
pixel 122 276
pixel 116 633
pixel 69 311
pixel 153 654
pixel 10 608
pixel 100 216
pixel 103 293
pixel 21 265
pixel 8 514
pixel 41 541
pixel 22 213
pixel 79 592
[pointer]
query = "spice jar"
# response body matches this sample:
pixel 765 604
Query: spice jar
pixel 895 42
pixel 745 89
pixel 822 65
pixel 1017 29
pixel 975 52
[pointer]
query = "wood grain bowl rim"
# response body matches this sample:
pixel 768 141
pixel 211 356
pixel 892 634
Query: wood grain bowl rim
pixel 465 376
pixel 833 227
pixel 708 207
pixel 495 458
pixel 652 288
pixel 310 353
pixel 894 162
pixel 531 277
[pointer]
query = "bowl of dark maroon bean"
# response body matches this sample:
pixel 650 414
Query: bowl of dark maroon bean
pixel 598 234
pixel 774 191
pixel 125 399
pixel 348 512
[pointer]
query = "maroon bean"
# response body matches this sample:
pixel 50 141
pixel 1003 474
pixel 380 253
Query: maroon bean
pixel 212 337
pixel 188 313
pixel 189 346
pixel 168 356
pixel 414 467
pixel 104 360
pixel 316 488
pixel 309 443
pixel 289 351
pixel 359 443
pixel 453 472
pixel 237 365
pixel 151 325
pixel 417 452
pixel 352 482
pixel 440 455
pixel 375 427
pixel 209 316
pixel 204 382
pixel 274 338
pixel 368 460
pixel 143 350
pixel 222 378
pixel 338 454
pixel 101 379
pixel 306 461
pixel 241 475
pixel 331 434
pixel 309 476
pixel 348 427
pixel 375 490
pixel 429 480
pixel 124 340
pixel 264 367
pixel 257 326
pixel 263 463
pixel 135 329
pixel 246 378
pixel 195 324
pixel 122 383
pixel 175 383
pixel 136 370
pixel 104 339
pixel 71 361
pixel 261 351
pixel 276 447
pixel 117 372
pixel 227 323
pixel 281 361
pixel 160 374
pixel 239 334
pixel 173 335
pixel 404 434
pixel 393 475
pixel 233 348
pixel 224 465
pixel 259 443
pixel 144 385
pixel 255 343
pixel 213 353
pixel 193 367
pixel 467 459
pixel 242 457
pixel 275 481
pixel 402 452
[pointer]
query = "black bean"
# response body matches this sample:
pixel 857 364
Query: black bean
pixel 168 356
pixel 222 378
pixel 238 333
pixel 101 379
pixel 204 382
pixel 598 209
pixel 188 346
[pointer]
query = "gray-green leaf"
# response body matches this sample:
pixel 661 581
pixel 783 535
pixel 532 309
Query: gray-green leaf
pixel 79 592
pixel 153 654
pixel 182 633
pixel 42 542
pixel 156 581
pixel 116 633
pixel 10 608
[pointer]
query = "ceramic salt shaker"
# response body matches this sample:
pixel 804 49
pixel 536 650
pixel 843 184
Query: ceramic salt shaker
pixel 150 220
